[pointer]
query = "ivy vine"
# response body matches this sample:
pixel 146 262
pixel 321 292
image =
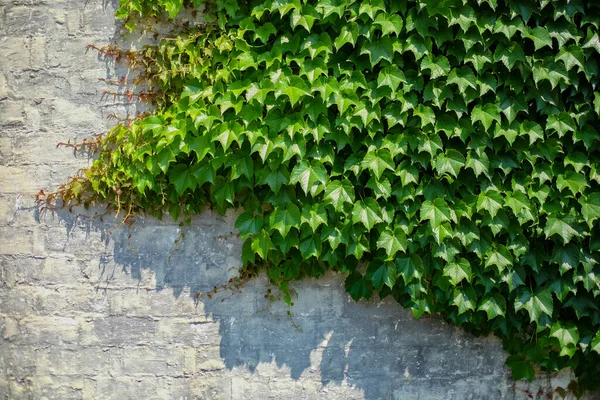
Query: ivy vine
pixel 442 152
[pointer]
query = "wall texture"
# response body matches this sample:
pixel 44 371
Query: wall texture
pixel 91 309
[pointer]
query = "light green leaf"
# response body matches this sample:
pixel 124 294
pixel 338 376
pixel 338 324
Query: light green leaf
pixel 571 56
pixel 392 241
pixel 450 163
pixel 519 204
pixel 565 227
pixel 437 66
pixel 371 8
pixel 465 299
pixel 391 77
pixel 295 89
pixel 308 174
pixel 436 211
pixel 367 212
pixel 562 123
pixel 499 257
pixel 565 333
pixel 348 34
pixel 339 192
pixel 478 162
pixel 490 201
pixel 590 207
pixel 573 181
pixel 389 23
pixel 303 18
pixel 330 7
pixel 317 44
pixel 464 78
pixel 426 114
pixel 595 345
pixel 533 130
pixel 378 161
pixel 284 219
pixel 486 114
pixel 458 270
pixel 494 305
pixel 314 216
pixel 536 303
pixel 261 244
pixel 541 37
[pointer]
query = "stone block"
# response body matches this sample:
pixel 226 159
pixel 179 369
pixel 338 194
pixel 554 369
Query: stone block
pixel 125 387
pixel 15 55
pixel 28 20
pixel 11 113
pixel 14 241
pixel 122 331
pixel 37 52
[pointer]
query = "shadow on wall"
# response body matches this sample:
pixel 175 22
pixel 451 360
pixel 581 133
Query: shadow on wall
pixel 375 347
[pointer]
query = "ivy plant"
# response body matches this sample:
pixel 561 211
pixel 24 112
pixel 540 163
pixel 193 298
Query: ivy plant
pixel 442 152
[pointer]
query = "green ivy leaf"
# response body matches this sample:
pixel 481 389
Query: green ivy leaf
pixel 499 257
pixel 339 192
pixel 182 178
pixel 436 211
pixel 463 78
pixel 392 241
pixel 378 161
pixel 494 305
pixel 348 34
pixel 358 286
pixel 573 181
pixel 310 176
pixel 465 299
pixel 410 267
pixel 595 345
pixel 536 303
pixel 389 23
pixel 382 274
pixel 590 207
pixel 249 224
pixel 284 219
pixel 437 66
pixel 378 50
pixel 521 368
pixel 571 56
pixel 490 201
pixel 565 227
pixel 367 212
pixel 565 333
pixel 458 270
pixel 262 244
pixel 541 37
pixel 486 114
pixel 295 89
pixel 450 163
pixel 391 77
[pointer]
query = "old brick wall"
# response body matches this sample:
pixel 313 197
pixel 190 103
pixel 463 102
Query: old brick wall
pixel 91 309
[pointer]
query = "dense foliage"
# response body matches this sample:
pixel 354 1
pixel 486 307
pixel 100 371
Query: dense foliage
pixel 443 152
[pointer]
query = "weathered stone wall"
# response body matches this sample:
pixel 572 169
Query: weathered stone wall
pixel 90 309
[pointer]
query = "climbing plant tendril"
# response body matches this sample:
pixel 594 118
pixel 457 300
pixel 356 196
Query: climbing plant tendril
pixel 442 152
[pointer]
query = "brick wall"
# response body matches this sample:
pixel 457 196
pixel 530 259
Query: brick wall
pixel 91 309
